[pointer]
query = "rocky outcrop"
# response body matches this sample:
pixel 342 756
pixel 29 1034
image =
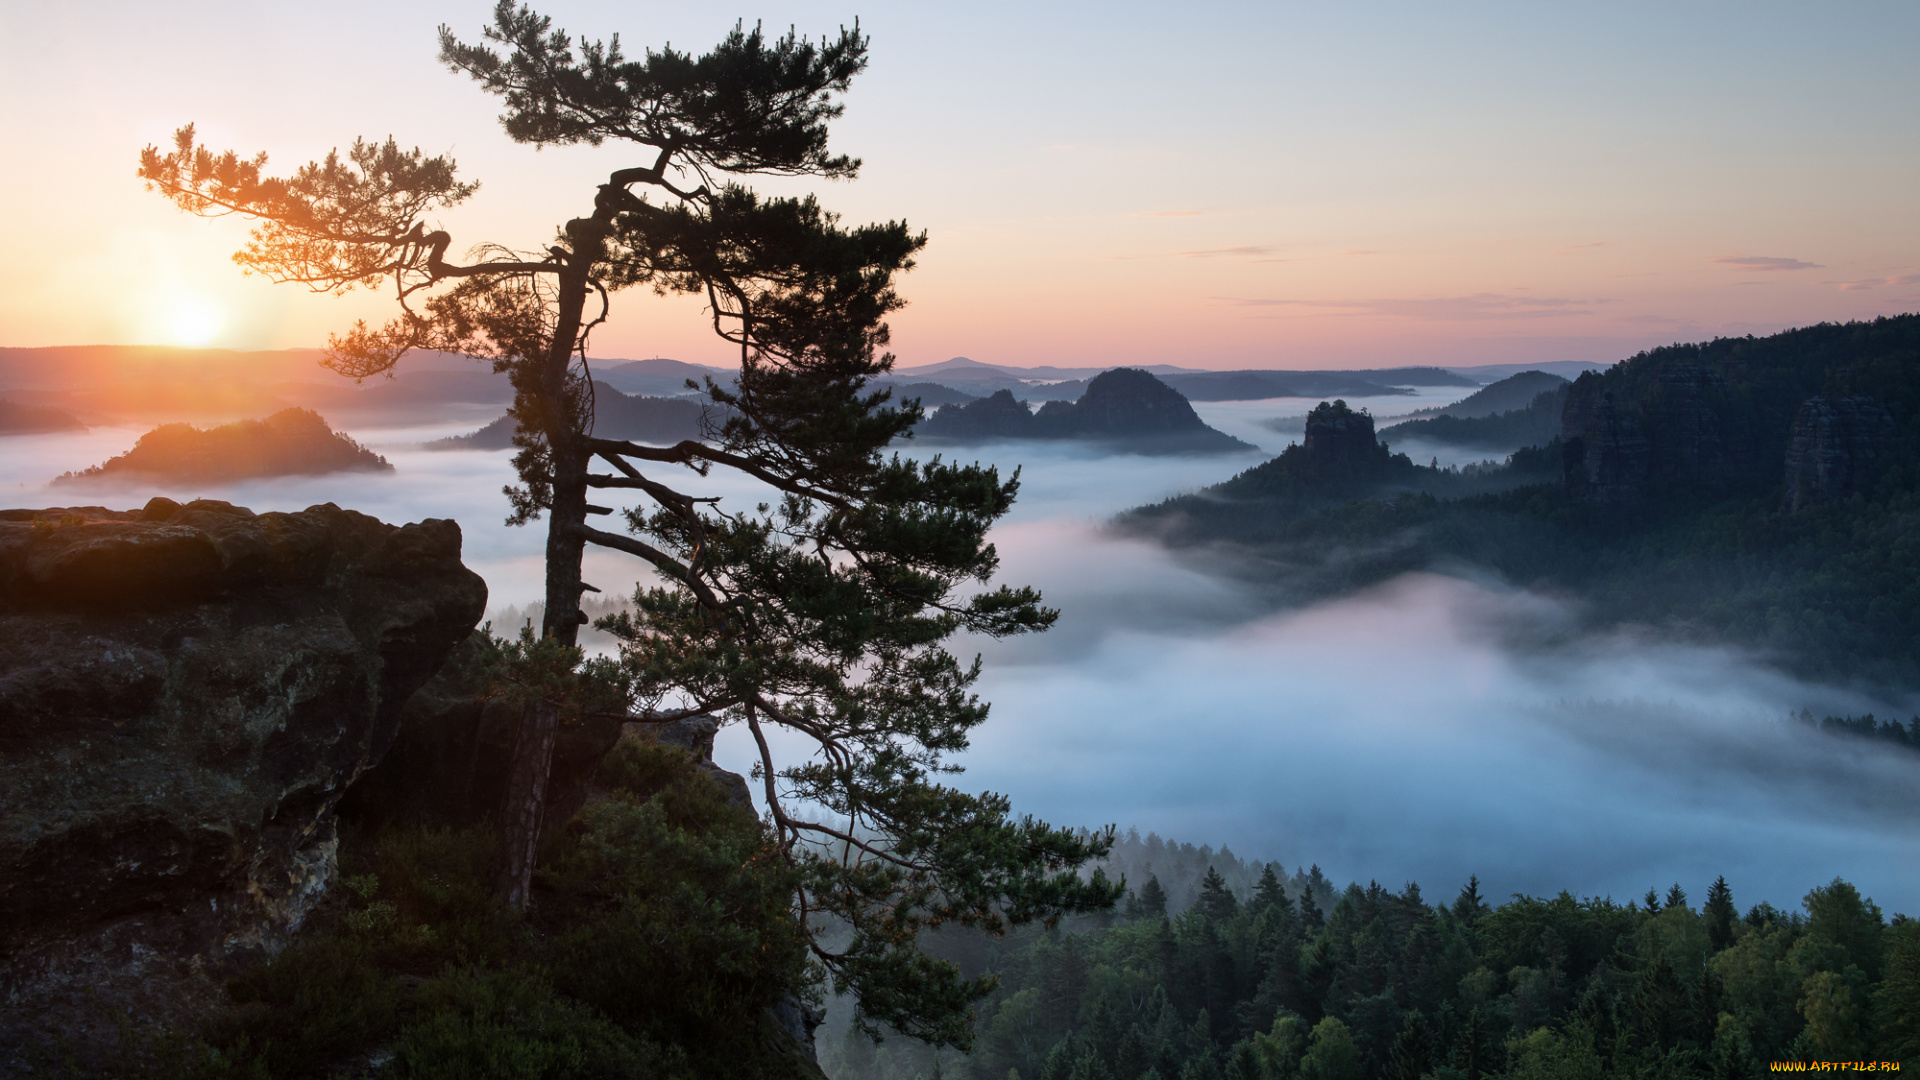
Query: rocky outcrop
pixel 185 694
pixel 1339 437
pixel 1678 436
pixel 996 416
pixel 291 442
pixel 1124 409
pixel 1838 447
pixel 447 767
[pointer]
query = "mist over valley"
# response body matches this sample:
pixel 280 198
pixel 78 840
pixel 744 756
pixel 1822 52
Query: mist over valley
pixel 1425 729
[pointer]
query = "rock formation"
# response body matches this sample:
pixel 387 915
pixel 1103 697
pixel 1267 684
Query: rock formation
pixel 1339 438
pixel 185 693
pixel 291 442
pixel 1837 447
pixel 1124 409
pixel 1679 435
pixel 447 767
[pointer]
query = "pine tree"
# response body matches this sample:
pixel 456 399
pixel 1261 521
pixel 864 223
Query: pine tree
pixel 1720 913
pixel 1217 902
pixel 1316 885
pixel 1676 896
pixel 1469 906
pixel 1652 900
pixel 1153 899
pixel 1269 893
pixel 822 612
pixel 1412 1054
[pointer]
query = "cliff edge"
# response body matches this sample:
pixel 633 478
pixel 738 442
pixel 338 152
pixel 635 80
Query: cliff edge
pixel 185 694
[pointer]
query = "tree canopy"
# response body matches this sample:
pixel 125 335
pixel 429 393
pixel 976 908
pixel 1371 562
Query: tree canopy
pixel 823 610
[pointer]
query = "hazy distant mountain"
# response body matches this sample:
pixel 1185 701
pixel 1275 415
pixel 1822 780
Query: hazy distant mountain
pixel 616 415
pixel 1535 425
pixel 1513 392
pixel 1126 409
pixel 19 419
pixel 289 443
pixel 659 377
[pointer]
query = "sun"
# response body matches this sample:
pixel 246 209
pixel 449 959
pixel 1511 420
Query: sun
pixel 193 322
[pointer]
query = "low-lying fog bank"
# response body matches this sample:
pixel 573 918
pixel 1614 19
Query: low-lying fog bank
pixel 1419 732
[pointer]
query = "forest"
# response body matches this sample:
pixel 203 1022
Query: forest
pixel 1218 969
pixel 1692 519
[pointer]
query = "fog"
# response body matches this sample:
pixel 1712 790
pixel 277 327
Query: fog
pixel 1422 731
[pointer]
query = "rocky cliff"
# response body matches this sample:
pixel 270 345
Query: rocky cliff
pixel 1837 448
pixel 1807 416
pixel 185 693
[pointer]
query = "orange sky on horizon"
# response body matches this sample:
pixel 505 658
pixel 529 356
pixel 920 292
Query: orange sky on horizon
pixel 1272 185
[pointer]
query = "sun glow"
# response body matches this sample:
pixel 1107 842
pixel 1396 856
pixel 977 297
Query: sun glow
pixel 193 322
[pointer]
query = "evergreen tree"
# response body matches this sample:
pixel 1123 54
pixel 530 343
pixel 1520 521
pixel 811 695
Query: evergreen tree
pixel 1720 914
pixel 1652 900
pixel 1217 902
pixel 1310 912
pixel 1469 905
pixel 1268 893
pixel 1676 896
pixel 1412 1054
pixel 1153 899
pixel 823 612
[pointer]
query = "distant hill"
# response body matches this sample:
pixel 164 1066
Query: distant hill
pixel 1125 409
pixel 292 442
pixel 616 416
pixel 19 419
pixel 1535 425
pixel 1516 391
pixel 659 377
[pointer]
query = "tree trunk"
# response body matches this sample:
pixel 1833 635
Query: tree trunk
pixel 523 816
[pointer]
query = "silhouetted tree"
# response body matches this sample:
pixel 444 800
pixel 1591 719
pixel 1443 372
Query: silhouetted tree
pixel 1469 905
pixel 1268 892
pixel 1720 913
pixel 1153 899
pixel 1216 902
pixel 823 611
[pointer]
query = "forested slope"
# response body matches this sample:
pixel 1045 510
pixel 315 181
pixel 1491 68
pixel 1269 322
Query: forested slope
pixel 1758 491
pixel 1266 982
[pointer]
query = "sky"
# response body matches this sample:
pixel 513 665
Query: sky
pixel 1218 185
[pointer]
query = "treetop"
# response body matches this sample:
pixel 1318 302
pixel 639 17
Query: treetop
pixel 749 106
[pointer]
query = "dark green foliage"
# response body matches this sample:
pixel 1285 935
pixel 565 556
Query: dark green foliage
pixel 666 939
pixel 1153 899
pixel 1720 914
pixel 1538 988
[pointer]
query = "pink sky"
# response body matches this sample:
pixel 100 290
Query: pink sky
pixel 1243 185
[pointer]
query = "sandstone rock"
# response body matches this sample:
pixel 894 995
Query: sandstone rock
pixel 1125 409
pixel 1679 435
pixel 1837 447
pixel 185 693
pixel 1340 438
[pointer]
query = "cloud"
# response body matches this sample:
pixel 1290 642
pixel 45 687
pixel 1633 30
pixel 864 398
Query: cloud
pixel 1171 213
pixel 1477 306
pixel 1891 280
pixel 1765 262
pixel 1241 252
